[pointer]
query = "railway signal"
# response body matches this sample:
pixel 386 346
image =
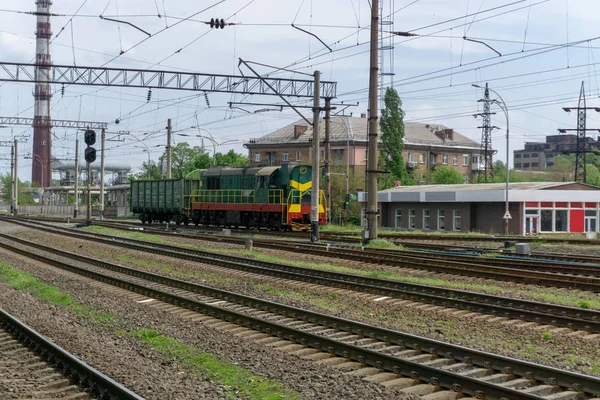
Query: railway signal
pixel 89 137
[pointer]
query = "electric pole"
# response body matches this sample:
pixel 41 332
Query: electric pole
pixel 12 180
pixel 76 188
pixel 582 148
pixel 102 137
pixel 327 160
pixel 486 137
pixel 169 139
pixel 16 209
pixel 314 198
pixel 373 151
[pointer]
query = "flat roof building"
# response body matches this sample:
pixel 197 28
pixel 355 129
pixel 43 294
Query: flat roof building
pixel 535 207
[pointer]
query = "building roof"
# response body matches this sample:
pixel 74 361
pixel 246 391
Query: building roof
pixel 491 186
pixel 490 192
pixel 343 128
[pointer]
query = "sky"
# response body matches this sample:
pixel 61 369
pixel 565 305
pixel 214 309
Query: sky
pixel 534 53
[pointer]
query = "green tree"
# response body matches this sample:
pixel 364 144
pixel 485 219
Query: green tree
pixel 563 169
pixel 232 159
pixel 149 171
pixel 500 173
pixel 392 136
pixel 24 197
pixel 592 175
pixel 446 176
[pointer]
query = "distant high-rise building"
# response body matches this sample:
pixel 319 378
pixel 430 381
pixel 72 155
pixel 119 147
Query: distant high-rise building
pixel 540 155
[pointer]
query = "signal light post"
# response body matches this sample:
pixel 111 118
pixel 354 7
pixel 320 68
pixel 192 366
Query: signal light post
pixel 90 156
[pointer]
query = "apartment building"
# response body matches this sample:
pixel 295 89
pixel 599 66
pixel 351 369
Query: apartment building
pixel 426 146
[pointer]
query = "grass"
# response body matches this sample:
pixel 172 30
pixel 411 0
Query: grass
pixel 383 244
pixel 547 337
pixel 237 381
pixel 50 294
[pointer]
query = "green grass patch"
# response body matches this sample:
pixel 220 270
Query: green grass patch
pixel 383 244
pixel 50 294
pixel 237 381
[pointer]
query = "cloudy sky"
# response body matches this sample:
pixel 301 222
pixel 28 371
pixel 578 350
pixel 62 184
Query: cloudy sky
pixel 547 47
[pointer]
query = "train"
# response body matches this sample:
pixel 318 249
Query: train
pixel 272 197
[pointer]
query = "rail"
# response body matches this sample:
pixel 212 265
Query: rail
pixel 534 375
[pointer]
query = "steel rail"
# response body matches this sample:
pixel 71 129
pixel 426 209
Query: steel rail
pixel 402 367
pixel 543 313
pixel 76 369
pixel 384 256
pixel 415 261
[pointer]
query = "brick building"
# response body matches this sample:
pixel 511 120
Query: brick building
pixel 540 155
pixel 426 146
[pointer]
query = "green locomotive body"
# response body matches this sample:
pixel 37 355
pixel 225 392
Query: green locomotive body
pixel 276 197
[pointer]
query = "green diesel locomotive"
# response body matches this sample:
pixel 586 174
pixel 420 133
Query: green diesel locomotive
pixel 276 197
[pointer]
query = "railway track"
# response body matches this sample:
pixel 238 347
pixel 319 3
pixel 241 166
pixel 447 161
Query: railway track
pixel 381 256
pixel 583 277
pixel 543 313
pixel 418 364
pixel 34 367
pixel 352 237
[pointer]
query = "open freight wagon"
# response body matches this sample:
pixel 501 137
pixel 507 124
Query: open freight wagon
pixel 163 200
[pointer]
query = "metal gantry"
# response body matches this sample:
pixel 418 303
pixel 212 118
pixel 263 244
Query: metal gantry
pixel 56 123
pixel 581 147
pixel 76 75
pixel 486 137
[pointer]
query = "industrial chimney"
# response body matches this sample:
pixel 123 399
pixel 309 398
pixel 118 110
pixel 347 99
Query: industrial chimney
pixel 41 170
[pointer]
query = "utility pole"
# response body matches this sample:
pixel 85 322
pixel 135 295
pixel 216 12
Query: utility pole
pixel 371 233
pixel 582 148
pixel 327 160
pixel 16 209
pixel 12 179
pixel 314 198
pixel 486 137
pixel 88 218
pixel 102 137
pixel 76 194
pixel 169 139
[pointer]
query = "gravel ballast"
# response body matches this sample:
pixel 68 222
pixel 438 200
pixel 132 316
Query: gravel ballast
pixel 143 370
pixel 525 342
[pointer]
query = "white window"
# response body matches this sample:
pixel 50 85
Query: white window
pixel 323 154
pixel 457 220
pixel 412 217
pixel 476 159
pixel 441 220
pixel 465 159
pixel 432 159
pixel 398 218
pixel 298 156
pixel 454 160
pixel 445 159
pixel 426 215
pixel 256 157
pixel 285 157
pixel 410 157
pixel 421 158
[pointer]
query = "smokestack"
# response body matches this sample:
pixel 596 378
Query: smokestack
pixel 41 170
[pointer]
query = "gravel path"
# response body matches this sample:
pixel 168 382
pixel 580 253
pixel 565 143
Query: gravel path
pixel 146 373
pixel 563 350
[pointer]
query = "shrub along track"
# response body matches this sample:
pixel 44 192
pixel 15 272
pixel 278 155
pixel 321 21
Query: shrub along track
pixel 34 367
pixel 543 313
pixel 421 365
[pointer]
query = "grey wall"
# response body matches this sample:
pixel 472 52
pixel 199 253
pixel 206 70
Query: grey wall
pixel 484 217
pixel 389 214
